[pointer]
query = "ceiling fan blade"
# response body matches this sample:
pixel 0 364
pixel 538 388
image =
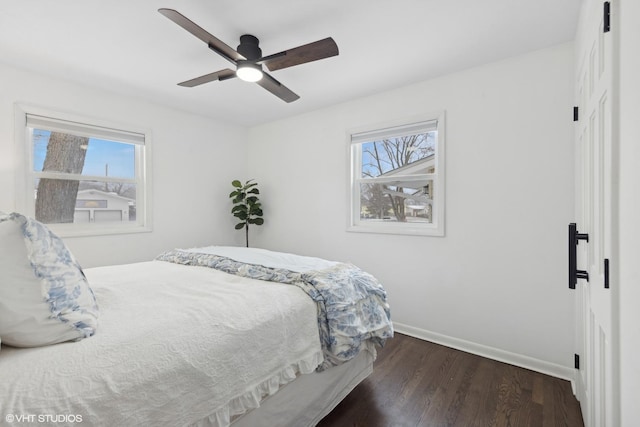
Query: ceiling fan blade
pixel 277 88
pixel 215 44
pixel 321 49
pixel 218 75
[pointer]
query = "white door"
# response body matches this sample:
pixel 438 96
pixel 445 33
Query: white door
pixel 595 139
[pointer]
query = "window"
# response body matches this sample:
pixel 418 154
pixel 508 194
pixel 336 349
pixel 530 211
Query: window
pixel 83 177
pixel 397 178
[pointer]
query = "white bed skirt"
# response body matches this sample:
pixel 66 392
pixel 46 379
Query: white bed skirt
pixel 308 399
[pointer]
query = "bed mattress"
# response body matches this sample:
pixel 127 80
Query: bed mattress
pixel 175 346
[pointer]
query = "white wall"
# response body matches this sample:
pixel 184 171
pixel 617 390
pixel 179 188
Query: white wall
pixel 194 161
pixel 498 277
pixel 629 211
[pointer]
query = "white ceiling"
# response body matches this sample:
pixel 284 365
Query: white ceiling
pixel 128 47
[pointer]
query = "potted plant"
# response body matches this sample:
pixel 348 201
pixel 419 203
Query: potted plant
pixel 246 205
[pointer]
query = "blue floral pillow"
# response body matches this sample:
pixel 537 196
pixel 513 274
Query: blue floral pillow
pixel 44 295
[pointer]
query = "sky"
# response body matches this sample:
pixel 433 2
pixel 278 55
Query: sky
pixel 120 157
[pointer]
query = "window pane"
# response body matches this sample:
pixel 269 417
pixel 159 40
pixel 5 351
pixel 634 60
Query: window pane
pixel 405 155
pixel 406 202
pixel 67 153
pixel 68 201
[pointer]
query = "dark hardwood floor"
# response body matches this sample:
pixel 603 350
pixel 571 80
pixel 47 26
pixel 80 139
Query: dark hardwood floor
pixel 418 383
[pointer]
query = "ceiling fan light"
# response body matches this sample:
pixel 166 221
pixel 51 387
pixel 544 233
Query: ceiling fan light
pixel 249 72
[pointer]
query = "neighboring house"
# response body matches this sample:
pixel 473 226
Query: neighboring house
pixel 100 206
pixel 418 202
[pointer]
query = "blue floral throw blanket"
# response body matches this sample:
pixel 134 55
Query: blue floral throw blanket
pixel 352 304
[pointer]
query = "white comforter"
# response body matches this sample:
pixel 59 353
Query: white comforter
pixel 175 346
pixel 267 258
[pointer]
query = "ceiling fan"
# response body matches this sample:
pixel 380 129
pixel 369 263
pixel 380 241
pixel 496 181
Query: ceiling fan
pixel 248 59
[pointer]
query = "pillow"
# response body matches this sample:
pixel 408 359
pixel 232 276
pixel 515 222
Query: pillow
pixel 44 296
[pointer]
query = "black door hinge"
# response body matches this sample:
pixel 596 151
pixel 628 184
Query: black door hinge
pixel 576 361
pixel 606 21
pixel 606 273
pixel 575 114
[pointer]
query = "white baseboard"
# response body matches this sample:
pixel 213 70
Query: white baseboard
pixel 520 360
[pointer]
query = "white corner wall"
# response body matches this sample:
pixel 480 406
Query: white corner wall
pixel 496 283
pixel 629 212
pixel 194 161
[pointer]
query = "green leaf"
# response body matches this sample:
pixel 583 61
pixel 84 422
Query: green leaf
pixel 240 226
pixel 236 183
pixel 254 191
pixel 258 221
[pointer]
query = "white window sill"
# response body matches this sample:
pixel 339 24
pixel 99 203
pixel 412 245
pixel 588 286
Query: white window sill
pixel 75 230
pixel 397 229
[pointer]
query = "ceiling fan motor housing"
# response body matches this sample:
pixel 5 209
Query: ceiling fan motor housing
pixel 248 47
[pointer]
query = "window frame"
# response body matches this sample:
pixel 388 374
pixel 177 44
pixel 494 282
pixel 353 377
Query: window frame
pixel 26 176
pixel 406 125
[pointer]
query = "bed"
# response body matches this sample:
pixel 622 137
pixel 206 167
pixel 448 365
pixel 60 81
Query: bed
pixel 212 336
